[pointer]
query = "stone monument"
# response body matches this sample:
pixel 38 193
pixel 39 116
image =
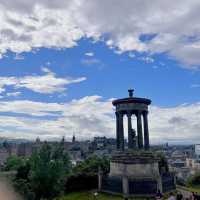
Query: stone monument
pixel 134 171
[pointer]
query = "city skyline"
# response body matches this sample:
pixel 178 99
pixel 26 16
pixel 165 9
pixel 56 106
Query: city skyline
pixel 62 64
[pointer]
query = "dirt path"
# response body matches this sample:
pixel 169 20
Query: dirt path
pixel 6 192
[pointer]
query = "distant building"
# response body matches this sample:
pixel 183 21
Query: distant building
pixel 183 173
pixel 193 164
pixel 100 142
pixel 37 141
pixel 4 154
pixel 25 149
pixel 178 163
pixel 197 150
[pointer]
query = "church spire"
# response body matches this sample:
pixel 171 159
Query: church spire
pixel 73 138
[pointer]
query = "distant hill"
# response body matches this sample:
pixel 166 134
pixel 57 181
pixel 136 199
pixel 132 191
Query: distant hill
pixel 13 140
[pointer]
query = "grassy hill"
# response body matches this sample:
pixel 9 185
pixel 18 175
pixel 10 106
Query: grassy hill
pixel 89 196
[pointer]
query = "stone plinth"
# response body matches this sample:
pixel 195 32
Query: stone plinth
pixel 135 165
pixel 135 173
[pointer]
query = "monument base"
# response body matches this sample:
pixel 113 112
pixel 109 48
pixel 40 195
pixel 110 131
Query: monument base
pixel 135 173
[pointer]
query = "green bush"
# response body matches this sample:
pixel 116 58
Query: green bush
pixel 194 180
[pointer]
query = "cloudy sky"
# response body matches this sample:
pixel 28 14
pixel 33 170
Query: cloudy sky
pixel 62 62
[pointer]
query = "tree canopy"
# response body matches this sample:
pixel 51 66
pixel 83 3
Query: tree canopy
pixel 13 163
pixel 44 173
pixel 91 165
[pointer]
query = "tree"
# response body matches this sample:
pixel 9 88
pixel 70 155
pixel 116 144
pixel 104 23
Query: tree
pixel 48 171
pixel 21 181
pixel 43 177
pixel 91 165
pixel 84 176
pixel 13 163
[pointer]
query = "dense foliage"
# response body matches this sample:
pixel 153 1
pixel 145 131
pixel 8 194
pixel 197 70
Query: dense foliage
pixel 91 166
pixel 13 163
pixel 43 175
pixel 194 180
pixel 84 175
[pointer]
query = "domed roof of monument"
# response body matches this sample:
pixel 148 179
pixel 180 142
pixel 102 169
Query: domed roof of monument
pixel 131 99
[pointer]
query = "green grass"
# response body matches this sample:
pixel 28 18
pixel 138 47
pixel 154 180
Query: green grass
pixel 191 188
pixel 89 196
pixel 195 189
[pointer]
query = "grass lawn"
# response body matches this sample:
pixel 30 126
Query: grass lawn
pixel 194 189
pixel 89 196
pixel 191 189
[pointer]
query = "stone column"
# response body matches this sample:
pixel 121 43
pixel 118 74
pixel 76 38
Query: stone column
pixel 146 130
pixel 117 131
pixel 125 186
pixel 139 130
pixel 130 139
pixel 159 184
pixel 99 179
pixel 121 132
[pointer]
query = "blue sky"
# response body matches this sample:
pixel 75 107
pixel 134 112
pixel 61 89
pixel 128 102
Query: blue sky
pixel 109 74
pixel 62 64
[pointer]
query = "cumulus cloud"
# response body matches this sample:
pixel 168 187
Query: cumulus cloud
pixel 89 116
pixel 45 84
pixel 92 116
pixel 143 26
pixel 176 124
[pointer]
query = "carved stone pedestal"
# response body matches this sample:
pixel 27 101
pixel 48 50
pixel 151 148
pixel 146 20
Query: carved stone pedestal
pixel 133 174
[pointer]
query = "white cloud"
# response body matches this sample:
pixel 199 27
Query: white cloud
pixel 147 59
pixel 13 94
pixel 132 55
pixel 175 124
pixel 90 54
pixel 91 116
pixel 46 84
pixel 154 27
pixel 90 61
pixel 19 57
